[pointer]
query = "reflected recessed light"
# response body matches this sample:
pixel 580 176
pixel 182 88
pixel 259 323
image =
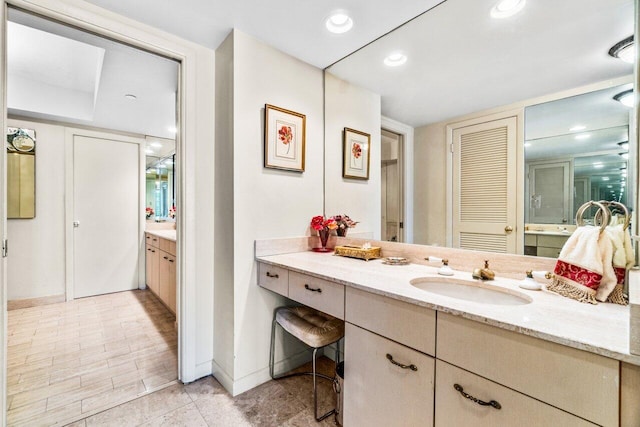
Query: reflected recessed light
pixel 605 178
pixel 172 129
pixel 395 59
pixel 626 98
pixel 507 8
pixel 527 144
pixel 623 174
pixel 339 22
pixel 577 128
pixel 583 136
pixel 624 155
pixel 609 186
pixel 598 165
pixel 624 50
pixel 155 144
pixel 148 151
pixel 131 97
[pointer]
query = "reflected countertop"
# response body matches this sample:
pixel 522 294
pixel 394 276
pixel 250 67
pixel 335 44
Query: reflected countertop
pixel 602 329
pixel 169 234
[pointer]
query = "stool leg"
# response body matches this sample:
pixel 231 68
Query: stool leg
pixel 272 351
pixel 315 391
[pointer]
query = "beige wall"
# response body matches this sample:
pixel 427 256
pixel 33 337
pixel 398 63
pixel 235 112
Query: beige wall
pixel 254 202
pixel 350 106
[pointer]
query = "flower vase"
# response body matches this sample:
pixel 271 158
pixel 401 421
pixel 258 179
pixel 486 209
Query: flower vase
pixel 342 232
pixel 324 238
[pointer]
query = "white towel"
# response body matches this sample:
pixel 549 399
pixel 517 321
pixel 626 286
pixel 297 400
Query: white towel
pixel 622 259
pixel 584 265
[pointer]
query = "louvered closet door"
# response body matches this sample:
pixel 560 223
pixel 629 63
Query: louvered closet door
pixel 485 186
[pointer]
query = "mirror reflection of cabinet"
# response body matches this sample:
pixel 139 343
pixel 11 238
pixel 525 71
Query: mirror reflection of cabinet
pixel 21 174
pixel 549 195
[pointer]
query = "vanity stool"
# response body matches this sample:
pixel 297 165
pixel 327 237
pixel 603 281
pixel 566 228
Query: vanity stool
pixel 314 328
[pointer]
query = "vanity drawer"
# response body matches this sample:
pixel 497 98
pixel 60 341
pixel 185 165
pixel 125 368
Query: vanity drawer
pixel 274 278
pixel 400 321
pixel 152 240
pixel 379 393
pixel 561 376
pixel 322 295
pixel 552 241
pixel 516 409
pixel 530 240
pixel 168 246
pixel 548 252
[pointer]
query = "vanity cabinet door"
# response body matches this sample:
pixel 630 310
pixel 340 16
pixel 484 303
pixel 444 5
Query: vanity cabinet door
pixel 378 392
pixel 515 409
pixel 167 292
pixel 153 268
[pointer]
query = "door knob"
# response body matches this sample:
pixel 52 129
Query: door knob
pixel 76 224
pixel 508 229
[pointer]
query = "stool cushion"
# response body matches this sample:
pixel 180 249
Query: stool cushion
pixel 312 327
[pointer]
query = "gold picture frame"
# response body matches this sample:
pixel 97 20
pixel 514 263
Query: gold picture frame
pixel 356 154
pixel 284 139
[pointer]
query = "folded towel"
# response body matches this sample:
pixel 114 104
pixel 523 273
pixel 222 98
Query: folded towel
pixel 584 265
pixel 622 259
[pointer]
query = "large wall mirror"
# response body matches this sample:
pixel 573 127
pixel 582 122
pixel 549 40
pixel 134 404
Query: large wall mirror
pixel 549 67
pixel 21 173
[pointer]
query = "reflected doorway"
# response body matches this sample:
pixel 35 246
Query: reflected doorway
pixel 392 187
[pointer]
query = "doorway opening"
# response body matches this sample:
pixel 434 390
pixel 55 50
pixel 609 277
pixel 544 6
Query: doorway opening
pixel 392 183
pixel 84 332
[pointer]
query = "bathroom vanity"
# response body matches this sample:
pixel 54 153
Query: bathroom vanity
pixel 161 265
pixel 417 354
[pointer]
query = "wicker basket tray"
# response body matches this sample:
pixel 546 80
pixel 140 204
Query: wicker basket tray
pixel 358 252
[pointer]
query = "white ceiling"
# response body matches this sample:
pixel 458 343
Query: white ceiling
pixel 460 60
pixel 293 26
pixel 55 73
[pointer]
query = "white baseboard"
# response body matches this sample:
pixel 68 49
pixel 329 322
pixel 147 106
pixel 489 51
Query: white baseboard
pixel 219 374
pixel 203 369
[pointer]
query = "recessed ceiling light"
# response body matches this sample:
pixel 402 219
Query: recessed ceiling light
pixel 623 174
pixel 507 8
pixel 339 22
pixel 583 136
pixel 395 59
pixel 131 97
pixel 148 151
pixel 626 98
pixel 155 144
pixel 598 165
pixel 172 129
pixel 624 50
pixel 605 178
pixel 577 128
pixel 609 186
pixel 527 144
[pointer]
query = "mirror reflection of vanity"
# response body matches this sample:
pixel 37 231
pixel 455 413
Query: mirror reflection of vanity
pixel 160 179
pixel 547 70
pixel 21 173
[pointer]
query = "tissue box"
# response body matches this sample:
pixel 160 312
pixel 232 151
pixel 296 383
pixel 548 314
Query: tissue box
pixel 357 252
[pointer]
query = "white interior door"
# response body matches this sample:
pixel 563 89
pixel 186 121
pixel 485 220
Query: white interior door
pixel 106 214
pixel 485 186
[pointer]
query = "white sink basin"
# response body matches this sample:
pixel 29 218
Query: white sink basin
pixel 471 290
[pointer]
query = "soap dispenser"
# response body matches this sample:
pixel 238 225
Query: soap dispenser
pixel 445 270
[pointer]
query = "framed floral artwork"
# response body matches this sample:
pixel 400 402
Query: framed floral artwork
pixel 284 139
pixel 355 154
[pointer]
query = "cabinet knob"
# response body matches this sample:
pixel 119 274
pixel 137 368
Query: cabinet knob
pixel 508 229
pixel 411 366
pixel 491 403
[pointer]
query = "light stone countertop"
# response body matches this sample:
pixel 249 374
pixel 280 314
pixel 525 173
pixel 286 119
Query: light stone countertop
pixel 547 233
pixel 602 329
pixel 165 234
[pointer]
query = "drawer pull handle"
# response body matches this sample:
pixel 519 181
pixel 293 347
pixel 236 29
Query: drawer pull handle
pixel 165 257
pixel 309 288
pixel 275 276
pixel 492 403
pixel 170 260
pixel 412 366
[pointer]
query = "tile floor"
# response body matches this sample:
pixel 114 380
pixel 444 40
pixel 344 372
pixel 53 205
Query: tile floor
pixel 73 359
pixel 286 402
